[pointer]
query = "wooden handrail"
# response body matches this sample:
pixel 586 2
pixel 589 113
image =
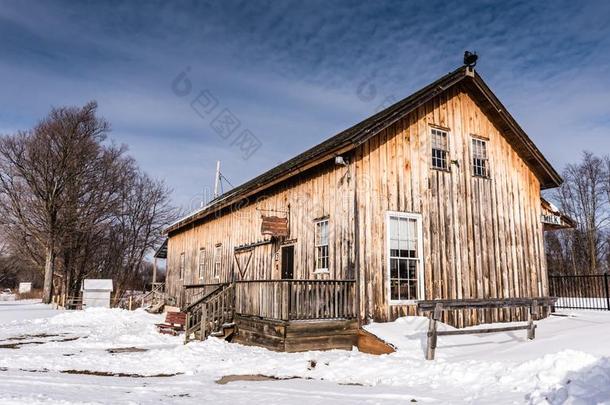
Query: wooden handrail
pixel 191 286
pixel 211 313
pixel 203 298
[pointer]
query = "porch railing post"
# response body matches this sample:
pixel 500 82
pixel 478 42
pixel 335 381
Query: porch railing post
pixel 289 298
pixel 607 288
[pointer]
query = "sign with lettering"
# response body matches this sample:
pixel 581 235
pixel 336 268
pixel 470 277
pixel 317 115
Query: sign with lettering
pixel 551 219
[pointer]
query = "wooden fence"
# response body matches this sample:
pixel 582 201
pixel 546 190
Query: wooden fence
pixel 64 301
pixel 581 292
pixel 296 299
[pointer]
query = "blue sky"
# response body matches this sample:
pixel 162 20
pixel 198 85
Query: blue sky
pixel 293 73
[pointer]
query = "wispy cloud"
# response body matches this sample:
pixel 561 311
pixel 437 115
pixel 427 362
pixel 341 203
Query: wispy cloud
pixel 290 70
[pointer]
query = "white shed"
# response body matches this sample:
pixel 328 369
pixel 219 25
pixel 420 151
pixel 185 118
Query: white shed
pixel 96 293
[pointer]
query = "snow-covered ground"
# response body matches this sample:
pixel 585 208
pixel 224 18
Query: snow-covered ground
pixel 63 357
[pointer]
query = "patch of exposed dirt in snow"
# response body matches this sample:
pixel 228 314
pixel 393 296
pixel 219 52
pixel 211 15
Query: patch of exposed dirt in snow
pixel 20 342
pixel 250 377
pixel 14 345
pixel 118 350
pixel 39 335
pixel 109 374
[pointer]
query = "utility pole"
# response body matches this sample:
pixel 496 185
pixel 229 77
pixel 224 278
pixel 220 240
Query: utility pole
pixel 217 179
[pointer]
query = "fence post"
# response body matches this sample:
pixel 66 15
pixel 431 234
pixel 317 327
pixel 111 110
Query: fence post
pixel 607 288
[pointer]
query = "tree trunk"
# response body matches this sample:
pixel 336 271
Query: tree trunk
pixel 49 268
pixel 592 251
pixel 67 281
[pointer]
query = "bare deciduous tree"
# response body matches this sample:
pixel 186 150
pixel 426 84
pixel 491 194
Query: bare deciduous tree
pixel 585 197
pixel 37 168
pixel 75 204
pixel 137 229
pixel 7 273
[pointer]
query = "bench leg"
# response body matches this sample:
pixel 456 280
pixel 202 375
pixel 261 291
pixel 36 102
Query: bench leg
pixel 434 317
pixel 531 328
pixel 531 331
pixel 431 339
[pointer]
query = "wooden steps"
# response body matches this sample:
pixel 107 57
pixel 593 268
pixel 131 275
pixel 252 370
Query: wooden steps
pixel 226 332
pixel 211 314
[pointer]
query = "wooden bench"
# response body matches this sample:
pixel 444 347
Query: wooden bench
pixel 174 323
pixel 436 307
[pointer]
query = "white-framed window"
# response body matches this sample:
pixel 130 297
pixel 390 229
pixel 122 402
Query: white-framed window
pixel 440 148
pixel 201 266
pixel 404 257
pixel 217 260
pixel 182 265
pixel 480 162
pixel 321 246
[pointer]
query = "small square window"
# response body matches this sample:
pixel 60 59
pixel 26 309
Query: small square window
pixel 440 149
pixel 480 163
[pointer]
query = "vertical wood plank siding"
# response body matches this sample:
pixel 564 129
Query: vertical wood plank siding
pixel 482 237
pixel 305 198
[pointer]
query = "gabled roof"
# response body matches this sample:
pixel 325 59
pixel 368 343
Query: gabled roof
pixel 363 131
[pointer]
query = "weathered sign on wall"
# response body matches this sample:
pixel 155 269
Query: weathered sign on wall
pixel 274 226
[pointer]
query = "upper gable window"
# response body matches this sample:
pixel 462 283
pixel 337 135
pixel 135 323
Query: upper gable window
pixel 480 163
pixel 440 148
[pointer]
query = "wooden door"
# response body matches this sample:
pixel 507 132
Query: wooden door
pixel 288 262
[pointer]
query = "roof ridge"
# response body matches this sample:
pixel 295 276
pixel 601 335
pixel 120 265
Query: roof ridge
pixel 350 138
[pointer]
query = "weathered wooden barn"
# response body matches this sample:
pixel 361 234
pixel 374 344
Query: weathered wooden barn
pixel 437 196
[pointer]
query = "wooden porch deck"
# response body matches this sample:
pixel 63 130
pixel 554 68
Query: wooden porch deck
pixel 296 315
pixel 283 315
